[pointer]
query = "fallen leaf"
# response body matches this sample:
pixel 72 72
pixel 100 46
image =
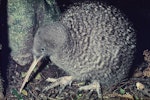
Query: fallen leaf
pixel 140 86
pixel 126 95
pixel 15 92
pixel 23 74
pixel 24 92
pixel 138 74
pixel 38 77
pixel 146 72
pixel 122 91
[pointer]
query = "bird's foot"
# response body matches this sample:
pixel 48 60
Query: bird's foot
pixel 62 81
pixel 93 86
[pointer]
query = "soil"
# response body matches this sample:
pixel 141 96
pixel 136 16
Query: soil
pixel 126 90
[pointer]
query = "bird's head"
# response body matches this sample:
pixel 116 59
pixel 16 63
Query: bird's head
pixel 47 42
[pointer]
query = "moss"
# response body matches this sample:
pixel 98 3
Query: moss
pixel 23 18
pixel 20 22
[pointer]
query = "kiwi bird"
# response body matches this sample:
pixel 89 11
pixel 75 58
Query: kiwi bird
pixel 91 41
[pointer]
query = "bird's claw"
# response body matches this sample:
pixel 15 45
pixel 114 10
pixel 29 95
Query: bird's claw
pixel 93 86
pixel 62 81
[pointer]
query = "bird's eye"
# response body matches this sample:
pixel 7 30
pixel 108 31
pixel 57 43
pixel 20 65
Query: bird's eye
pixel 42 49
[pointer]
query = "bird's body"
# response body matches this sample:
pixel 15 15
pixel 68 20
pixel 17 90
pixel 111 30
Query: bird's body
pixel 91 41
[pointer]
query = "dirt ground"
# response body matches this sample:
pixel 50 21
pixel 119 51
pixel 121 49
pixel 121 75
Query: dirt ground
pixel 135 88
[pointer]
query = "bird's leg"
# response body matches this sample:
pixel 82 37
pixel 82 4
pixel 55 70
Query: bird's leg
pixel 62 81
pixel 93 86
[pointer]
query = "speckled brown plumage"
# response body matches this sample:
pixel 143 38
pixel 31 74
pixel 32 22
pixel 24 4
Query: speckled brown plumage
pixel 91 41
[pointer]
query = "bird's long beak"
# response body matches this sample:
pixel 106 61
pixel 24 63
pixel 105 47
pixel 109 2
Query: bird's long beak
pixel 34 63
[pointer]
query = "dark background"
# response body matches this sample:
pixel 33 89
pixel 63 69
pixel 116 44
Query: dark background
pixel 138 12
pixel 4 53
